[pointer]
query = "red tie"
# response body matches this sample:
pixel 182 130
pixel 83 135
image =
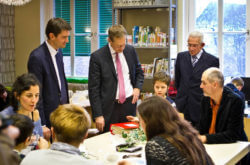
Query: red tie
pixel 122 95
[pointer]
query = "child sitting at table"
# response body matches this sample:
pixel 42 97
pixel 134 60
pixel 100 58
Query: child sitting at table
pixel 161 81
pixel 25 126
pixel 69 127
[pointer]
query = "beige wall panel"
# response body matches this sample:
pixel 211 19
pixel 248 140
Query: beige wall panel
pixel 27 33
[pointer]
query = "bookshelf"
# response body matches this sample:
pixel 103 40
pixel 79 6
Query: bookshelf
pixel 158 20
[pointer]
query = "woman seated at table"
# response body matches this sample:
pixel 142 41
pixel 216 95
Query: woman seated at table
pixel 171 139
pixel 24 97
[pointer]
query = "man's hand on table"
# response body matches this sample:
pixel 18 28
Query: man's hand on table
pixel 203 138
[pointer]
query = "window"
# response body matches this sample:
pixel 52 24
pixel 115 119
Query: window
pixel 78 13
pixel 223 23
pixel 105 15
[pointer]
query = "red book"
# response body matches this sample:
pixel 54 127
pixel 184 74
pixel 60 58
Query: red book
pixel 118 128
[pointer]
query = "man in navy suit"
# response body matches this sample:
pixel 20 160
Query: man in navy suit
pixel 104 83
pixel 46 62
pixel 188 71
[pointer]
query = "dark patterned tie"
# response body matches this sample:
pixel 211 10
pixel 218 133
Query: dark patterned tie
pixel 194 60
pixel 63 98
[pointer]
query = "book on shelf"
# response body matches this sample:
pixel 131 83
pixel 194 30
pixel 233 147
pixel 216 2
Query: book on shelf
pixel 148 70
pixel 118 128
pixel 160 64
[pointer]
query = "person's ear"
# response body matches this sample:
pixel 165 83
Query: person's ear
pixel 27 141
pixel 51 36
pixel 202 44
pixel 239 87
pixel 53 133
pixel 15 95
pixel 215 84
pixel 109 40
pixel 86 135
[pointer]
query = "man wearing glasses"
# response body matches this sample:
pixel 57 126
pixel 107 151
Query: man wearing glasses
pixel 189 67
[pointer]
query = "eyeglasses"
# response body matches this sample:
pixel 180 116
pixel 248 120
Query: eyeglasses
pixel 193 45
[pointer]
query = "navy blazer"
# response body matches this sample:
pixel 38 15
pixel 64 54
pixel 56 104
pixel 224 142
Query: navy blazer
pixel 40 63
pixel 102 83
pixel 188 80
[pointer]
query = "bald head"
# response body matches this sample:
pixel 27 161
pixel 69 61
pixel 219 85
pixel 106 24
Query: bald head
pixel 214 75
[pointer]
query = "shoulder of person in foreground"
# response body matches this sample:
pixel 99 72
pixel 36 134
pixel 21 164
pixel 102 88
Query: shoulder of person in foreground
pixel 41 157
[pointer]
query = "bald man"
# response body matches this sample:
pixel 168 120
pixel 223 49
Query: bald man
pixel 221 110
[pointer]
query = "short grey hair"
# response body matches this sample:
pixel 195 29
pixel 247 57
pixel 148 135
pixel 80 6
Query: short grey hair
pixel 214 74
pixel 197 34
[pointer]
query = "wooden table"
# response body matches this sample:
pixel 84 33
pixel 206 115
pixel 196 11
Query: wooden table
pixel 102 147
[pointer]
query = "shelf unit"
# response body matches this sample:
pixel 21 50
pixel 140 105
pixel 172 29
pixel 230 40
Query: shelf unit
pixel 164 16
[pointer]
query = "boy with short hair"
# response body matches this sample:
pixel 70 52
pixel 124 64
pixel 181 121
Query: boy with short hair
pixel 236 85
pixel 25 126
pixel 161 81
pixel 69 127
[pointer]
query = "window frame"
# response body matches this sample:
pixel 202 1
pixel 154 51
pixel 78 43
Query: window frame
pixel 48 12
pixel 189 15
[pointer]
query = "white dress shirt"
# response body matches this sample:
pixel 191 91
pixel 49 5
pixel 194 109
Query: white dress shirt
pixel 53 53
pixel 198 56
pixel 125 71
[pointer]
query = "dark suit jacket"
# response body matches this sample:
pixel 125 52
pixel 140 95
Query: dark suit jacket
pixel 102 82
pixel 229 121
pixel 40 63
pixel 188 80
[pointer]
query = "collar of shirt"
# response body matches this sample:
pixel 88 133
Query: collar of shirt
pixel 64 147
pixel 198 55
pixel 52 51
pixel 213 104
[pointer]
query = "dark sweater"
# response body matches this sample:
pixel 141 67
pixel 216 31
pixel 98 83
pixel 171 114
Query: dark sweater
pixel 159 151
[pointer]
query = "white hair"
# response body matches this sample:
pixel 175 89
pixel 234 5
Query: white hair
pixel 197 34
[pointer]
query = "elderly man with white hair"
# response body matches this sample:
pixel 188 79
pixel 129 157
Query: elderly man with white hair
pixel 188 70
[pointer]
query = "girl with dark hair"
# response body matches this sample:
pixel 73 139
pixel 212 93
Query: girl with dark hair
pixel 171 139
pixel 24 98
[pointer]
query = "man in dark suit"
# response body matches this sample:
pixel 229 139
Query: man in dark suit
pixel 46 62
pixel 188 70
pixel 115 80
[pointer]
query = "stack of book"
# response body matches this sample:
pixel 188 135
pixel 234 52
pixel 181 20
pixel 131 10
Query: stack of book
pixel 119 128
